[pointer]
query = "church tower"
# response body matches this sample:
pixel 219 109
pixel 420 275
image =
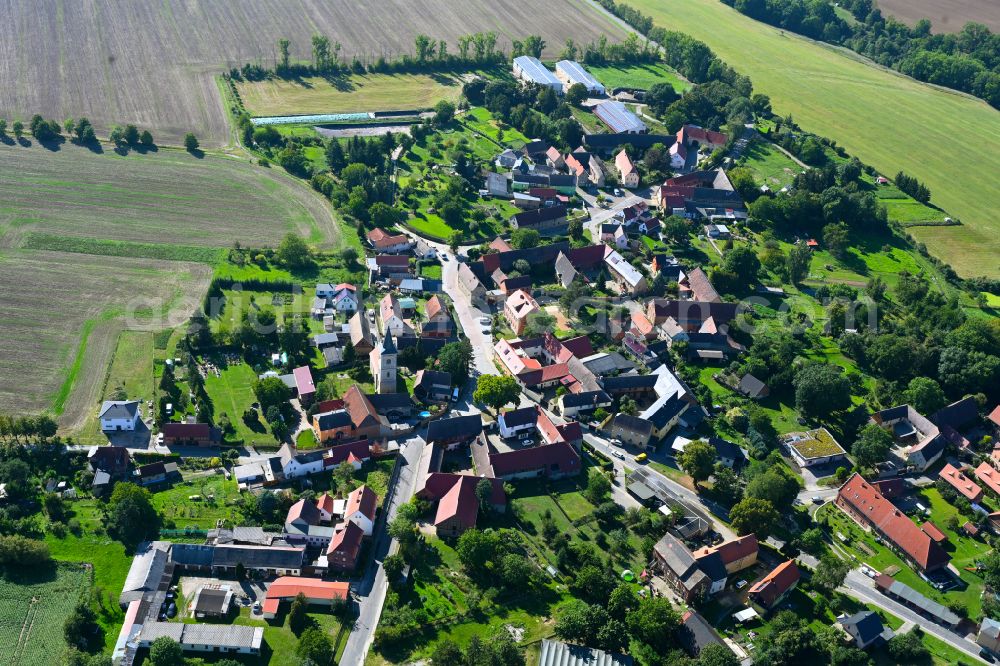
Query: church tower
pixel 383 366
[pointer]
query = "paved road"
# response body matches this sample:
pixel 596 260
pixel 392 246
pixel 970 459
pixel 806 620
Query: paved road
pixel 862 588
pixel 662 483
pixel 371 591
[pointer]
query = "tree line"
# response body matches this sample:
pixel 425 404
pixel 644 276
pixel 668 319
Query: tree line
pixel 968 61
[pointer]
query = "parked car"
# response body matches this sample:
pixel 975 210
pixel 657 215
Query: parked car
pixel 641 457
pixel 486 321
pixel 816 499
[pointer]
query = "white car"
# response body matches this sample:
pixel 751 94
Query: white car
pixel 485 321
pixel 618 454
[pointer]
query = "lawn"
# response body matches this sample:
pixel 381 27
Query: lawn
pixel 281 641
pixel 887 120
pixel 638 76
pixel 33 607
pixel 355 93
pixel 770 165
pixel 218 496
pixel 432 271
pixel 232 394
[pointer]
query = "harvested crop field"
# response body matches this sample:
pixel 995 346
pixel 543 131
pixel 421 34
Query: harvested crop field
pixel 352 94
pixel 163 197
pixel 154 63
pixel 945 15
pixel 33 609
pixel 62 314
pixel 888 120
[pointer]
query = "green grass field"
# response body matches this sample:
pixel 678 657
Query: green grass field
pixel 770 165
pixel 232 394
pixel 638 76
pixel 352 94
pixel 33 607
pixel 173 503
pixel 948 140
pixel 168 197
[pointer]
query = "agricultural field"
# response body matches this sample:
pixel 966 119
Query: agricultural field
pixel 945 15
pixel 887 120
pixel 33 608
pixel 165 80
pixel 49 199
pixel 351 94
pixel 638 76
pixel 62 315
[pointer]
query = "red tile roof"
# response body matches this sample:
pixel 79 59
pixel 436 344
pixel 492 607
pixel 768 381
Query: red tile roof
pixel 359 407
pixel 732 551
pixel 931 530
pixel 288 587
pixel 624 163
pixel 879 512
pixel 434 306
pixel 347 540
pixel 303 510
pixel 989 476
pixel 325 503
pixel 772 586
pixel 961 482
pixel 338 454
pixel 460 502
pixel 185 430
pixel 995 415
pixel 537 457
pixel 363 499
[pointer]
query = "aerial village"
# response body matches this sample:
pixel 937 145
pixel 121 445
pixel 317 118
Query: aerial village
pixel 548 383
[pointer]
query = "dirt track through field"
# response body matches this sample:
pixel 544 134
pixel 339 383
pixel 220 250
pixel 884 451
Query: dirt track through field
pixel 153 63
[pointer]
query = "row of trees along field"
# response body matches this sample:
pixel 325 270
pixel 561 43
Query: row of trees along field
pixel 968 60
pixel 476 50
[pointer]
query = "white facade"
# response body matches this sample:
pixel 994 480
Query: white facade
pixel 119 415
pixel 362 521
pixel 294 469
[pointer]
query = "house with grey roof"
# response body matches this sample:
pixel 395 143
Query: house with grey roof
pixel 118 415
pixel 557 653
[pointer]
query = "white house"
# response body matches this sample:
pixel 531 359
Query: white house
pixel 517 421
pixel 302 464
pixel 119 415
pixel 497 184
pixel 360 509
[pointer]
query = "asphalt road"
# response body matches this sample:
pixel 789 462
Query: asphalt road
pixel 371 591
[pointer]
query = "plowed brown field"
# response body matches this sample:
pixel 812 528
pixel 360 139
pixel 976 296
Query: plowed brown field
pixel 152 63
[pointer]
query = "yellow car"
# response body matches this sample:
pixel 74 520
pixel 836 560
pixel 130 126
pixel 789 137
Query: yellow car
pixel 641 457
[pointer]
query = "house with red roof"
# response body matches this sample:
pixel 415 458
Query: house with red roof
pixel 628 174
pixel 866 506
pixel 325 504
pixel 770 590
pixel 696 139
pixel 994 418
pixel 437 320
pixel 737 554
pixel 458 508
pixel 517 308
pixel 965 486
pixel 989 477
pixel 552 461
pixel 361 507
pixel 194 434
pixel 387 243
pixel 931 530
pixel 317 592
pixel 345 546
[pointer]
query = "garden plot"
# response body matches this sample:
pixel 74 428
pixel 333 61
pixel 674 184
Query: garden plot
pixel 32 612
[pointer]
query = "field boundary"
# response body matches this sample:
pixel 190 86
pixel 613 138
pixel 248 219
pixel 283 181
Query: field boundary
pixel 36 240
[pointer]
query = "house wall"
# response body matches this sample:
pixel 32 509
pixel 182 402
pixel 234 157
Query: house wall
pixel 119 424
pixel 629 437
pixel 362 521
pixel 450 528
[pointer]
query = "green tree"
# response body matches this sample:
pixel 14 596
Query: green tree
pixel 117 135
pixel 743 263
pixel 80 626
pixel 315 646
pixel 393 566
pixel 753 516
pixel 821 389
pixel 660 96
pixel 444 113
pixel 3 126
pixel 477 549
pixel 717 654
pixel 165 651
pixel 293 251
pixel 579 622
pixel 130 515
pixel 924 395
pixel 798 262
pixel 271 392
pixel 496 390
pixel 776 485
pixel 297 614
pixel 837 238
pixel 335 158
pixel 455 358
pixel 284 56
pixel 830 573
pixel 454 240
pixel 521 239
pixel 484 495
pixel 622 601
pixel 576 94
pixel 18 128
pixel 654 622
pixel 698 460
pixel 131 135
pixel 872 446
pixel 908 648
pixel 446 652
pixel 146 138
pixel 190 142
pixel 598 487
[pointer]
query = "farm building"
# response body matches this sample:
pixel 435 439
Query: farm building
pixel 572 72
pixel 316 591
pixel 619 119
pixel 532 70
pixel 205 637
